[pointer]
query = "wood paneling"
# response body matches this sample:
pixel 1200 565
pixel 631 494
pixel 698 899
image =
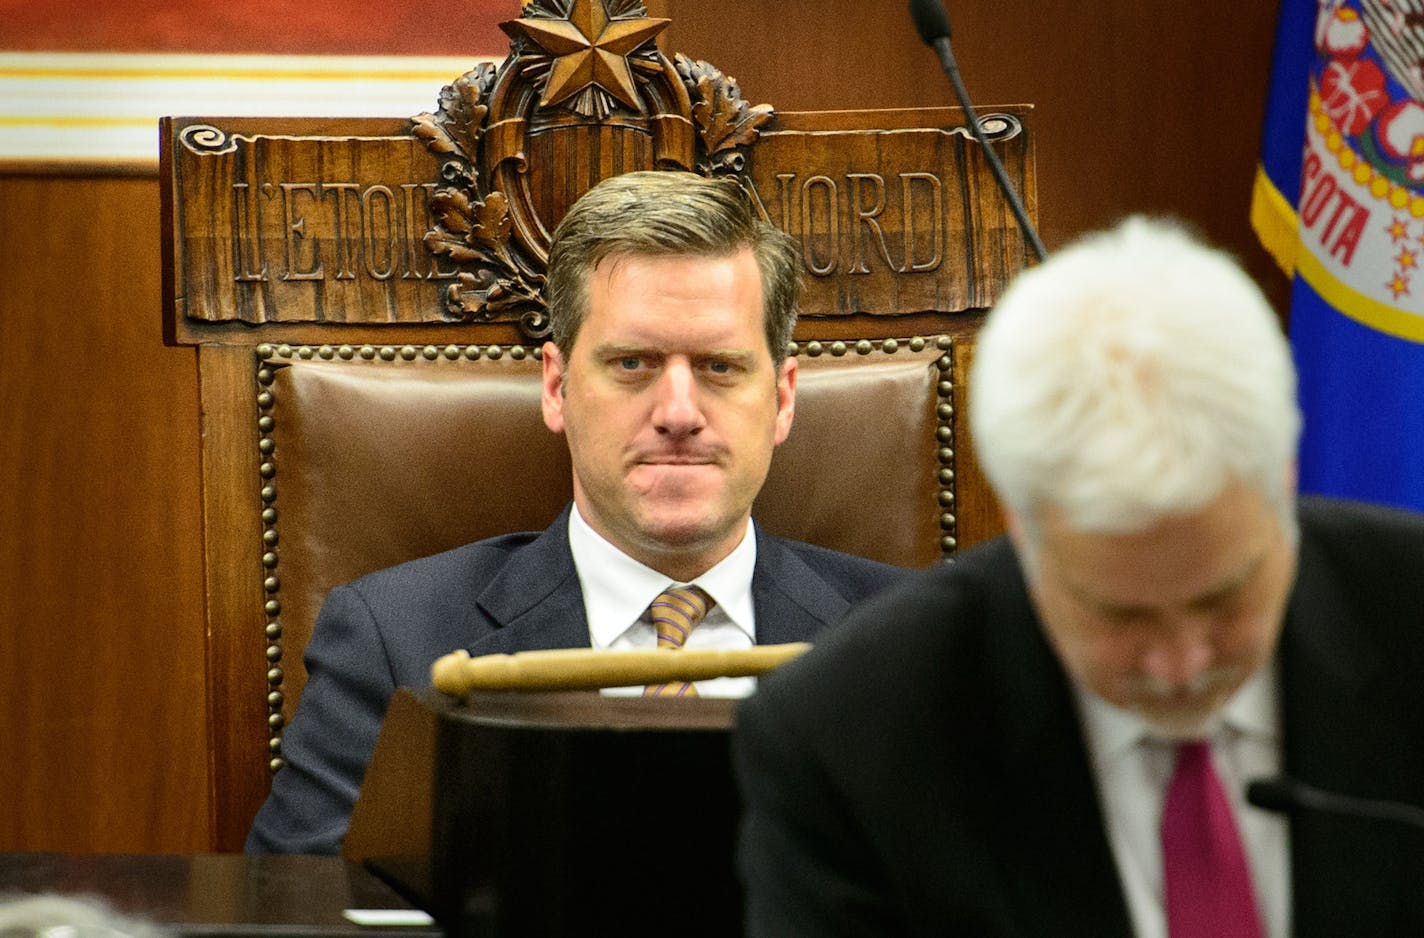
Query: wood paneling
pixel 101 643
pixel 1140 107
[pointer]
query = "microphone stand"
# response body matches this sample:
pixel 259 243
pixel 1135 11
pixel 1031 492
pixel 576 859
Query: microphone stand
pixel 941 46
pixel 1288 796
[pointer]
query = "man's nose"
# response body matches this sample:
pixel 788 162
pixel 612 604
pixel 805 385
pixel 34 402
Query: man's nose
pixel 677 411
pixel 1179 658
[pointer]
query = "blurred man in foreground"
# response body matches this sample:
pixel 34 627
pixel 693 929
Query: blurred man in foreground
pixel 1052 735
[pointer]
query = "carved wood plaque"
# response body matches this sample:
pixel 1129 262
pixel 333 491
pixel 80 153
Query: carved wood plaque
pixel 445 217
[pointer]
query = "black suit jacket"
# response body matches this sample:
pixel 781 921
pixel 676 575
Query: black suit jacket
pixel 514 593
pixel 922 770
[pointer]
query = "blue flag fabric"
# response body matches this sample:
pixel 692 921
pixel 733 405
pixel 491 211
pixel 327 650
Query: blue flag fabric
pixel 1339 202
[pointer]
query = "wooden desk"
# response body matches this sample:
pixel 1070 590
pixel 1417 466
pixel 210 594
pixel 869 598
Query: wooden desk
pixel 226 894
pixel 540 812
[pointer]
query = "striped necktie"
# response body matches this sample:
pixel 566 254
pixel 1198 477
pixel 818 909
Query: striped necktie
pixel 676 613
pixel 1206 881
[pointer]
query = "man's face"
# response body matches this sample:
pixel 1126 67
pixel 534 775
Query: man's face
pixel 672 405
pixel 1168 622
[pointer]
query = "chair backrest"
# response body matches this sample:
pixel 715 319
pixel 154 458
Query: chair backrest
pixel 374 462
pixel 331 271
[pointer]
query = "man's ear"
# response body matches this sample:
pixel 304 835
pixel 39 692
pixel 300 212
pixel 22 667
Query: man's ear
pixel 551 399
pixel 785 398
pixel 1013 525
pixel 1018 533
pixel 1024 536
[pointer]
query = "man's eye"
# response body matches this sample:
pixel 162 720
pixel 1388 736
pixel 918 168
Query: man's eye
pixel 724 367
pixel 630 362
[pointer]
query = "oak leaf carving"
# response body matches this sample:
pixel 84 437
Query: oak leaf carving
pixel 724 121
pixel 492 223
pixel 458 122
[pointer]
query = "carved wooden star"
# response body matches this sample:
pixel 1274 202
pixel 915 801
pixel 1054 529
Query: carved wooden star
pixel 589 48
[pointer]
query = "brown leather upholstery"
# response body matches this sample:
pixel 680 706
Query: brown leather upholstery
pixel 378 461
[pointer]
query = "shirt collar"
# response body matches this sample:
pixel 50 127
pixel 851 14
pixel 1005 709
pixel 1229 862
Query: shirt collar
pixel 1254 709
pixel 617 589
pixel 1111 732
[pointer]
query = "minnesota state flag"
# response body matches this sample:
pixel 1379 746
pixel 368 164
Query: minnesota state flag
pixel 1339 202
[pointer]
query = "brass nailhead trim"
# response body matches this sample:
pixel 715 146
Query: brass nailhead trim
pixel 269 355
pixel 944 413
pixel 268 461
pixel 944 434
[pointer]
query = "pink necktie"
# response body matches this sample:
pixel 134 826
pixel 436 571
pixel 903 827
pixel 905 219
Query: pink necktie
pixel 1206 882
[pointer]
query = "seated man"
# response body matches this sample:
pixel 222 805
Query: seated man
pixel 672 307
pixel 1053 735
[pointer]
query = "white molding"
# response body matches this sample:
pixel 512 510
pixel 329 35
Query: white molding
pixel 104 108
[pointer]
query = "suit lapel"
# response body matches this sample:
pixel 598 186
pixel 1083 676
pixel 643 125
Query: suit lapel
pixel 1339 735
pixel 1055 854
pixel 791 600
pixel 535 600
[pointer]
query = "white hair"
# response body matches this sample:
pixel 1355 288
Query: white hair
pixel 1134 375
pixel 55 916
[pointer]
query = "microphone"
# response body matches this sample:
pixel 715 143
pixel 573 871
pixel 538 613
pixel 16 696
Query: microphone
pixel 932 23
pixel 1285 795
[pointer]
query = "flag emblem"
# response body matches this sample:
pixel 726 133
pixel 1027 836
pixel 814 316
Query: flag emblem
pixel 1339 202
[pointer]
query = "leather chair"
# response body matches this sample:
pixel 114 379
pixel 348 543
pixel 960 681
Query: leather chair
pixel 377 456
pixel 353 275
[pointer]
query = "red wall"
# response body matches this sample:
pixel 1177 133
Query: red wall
pixel 276 27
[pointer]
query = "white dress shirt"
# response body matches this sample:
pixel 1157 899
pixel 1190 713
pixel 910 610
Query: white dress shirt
pixel 617 591
pixel 1133 768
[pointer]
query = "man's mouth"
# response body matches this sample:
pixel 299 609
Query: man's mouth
pixel 1210 684
pixel 675 459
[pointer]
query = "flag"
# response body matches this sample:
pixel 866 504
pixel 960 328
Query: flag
pixel 1339 202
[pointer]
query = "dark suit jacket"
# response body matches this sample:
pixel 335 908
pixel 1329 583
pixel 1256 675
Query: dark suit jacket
pixel 514 593
pixel 922 770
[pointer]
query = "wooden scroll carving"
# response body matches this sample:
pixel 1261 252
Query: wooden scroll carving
pixel 445 218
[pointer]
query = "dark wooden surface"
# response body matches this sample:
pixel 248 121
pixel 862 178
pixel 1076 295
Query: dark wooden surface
pixel 215 894
pixel 546 782
pixel 1137 107
pixel 518 790
pixel 392 815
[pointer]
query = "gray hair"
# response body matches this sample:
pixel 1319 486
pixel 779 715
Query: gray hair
pixel 56 916
pixel 666 213
pixel 1134 375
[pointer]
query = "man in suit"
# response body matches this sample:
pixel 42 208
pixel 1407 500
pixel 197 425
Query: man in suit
pixel 1052 736
pixel 672 306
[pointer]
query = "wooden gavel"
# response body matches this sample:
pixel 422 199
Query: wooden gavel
pixel 457 674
